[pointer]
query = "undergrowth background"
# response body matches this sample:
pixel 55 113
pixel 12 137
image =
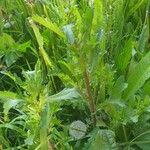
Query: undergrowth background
pixel 75 74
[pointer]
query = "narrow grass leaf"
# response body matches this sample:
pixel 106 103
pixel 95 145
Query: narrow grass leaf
pixel 39 39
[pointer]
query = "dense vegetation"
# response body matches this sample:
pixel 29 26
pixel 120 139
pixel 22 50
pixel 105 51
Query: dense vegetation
pixel 75 74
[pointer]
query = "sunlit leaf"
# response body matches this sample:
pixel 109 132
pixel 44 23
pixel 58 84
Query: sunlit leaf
pixel 47 23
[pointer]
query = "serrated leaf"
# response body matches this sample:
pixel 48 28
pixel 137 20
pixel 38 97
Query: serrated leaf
pixel 98 15
pixel 40 41
pixel 48 24
pixel 38 36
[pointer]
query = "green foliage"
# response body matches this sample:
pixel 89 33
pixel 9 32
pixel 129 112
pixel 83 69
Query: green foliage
pixel 101 138
pixel 74 74
pixel 138 76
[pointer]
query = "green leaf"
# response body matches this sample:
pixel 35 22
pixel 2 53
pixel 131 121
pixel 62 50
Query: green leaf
pixel 13 127
pixel 135 7
pixel 48 24
pixel 6 42
pixel 69 33
pixel 124 57
pixel 143 140
pixel 101 139
pixel 14 77
pixel 8 105
pixel 146 88
pixel 23 47
pixel 66 94
pixel 143 38
pixel 118 88
pixel 44 122
pixel 39 39
pixel 12 57
pixel 6 95
pixel 67 70
pixel 138 76
pixel 38 36
pixel 11 50
pixel 98 15
pixel 4 141
pixel 77 129
pixel 105 138
pixel 10 100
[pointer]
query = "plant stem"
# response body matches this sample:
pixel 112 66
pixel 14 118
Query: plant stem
pixel 125 133
pixel 89 97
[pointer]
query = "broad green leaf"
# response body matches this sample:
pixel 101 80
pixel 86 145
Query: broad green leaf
pixel 48 24
pixel 66 94
pixel 138 76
